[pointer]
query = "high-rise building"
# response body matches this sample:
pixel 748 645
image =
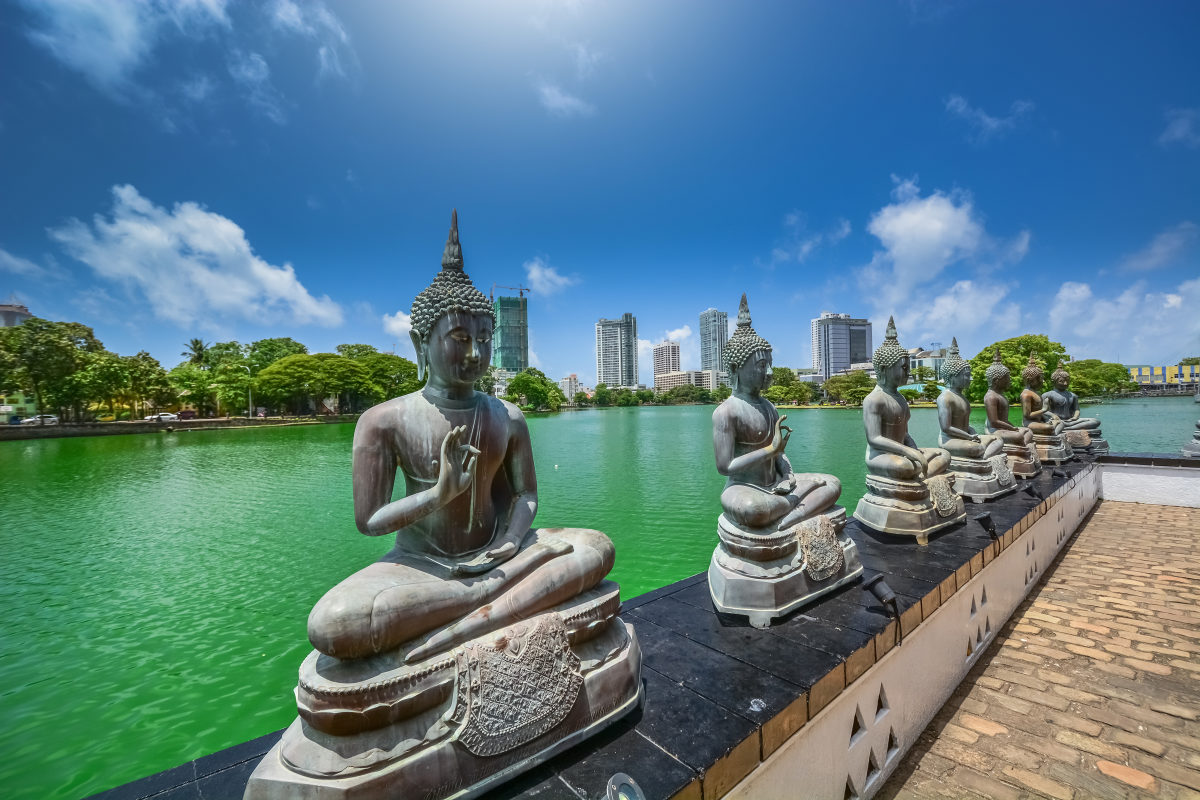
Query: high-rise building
pixel 616 351
pixel 510 340
pixel 13 313
pixel 570 387
pixel 714 333
pixel 666 358
pixel 839 340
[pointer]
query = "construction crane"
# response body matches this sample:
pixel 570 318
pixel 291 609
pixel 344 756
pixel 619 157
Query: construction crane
pixel 521 290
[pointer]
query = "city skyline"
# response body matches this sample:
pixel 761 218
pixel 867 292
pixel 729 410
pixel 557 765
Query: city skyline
pixel 245 171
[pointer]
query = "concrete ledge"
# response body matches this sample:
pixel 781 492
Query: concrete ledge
pixel 732 710
pixel 1159 484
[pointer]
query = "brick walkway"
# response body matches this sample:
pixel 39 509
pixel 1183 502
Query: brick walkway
pixel 1093 687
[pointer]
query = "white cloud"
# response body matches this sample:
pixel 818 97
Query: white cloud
pixel 1164 248
pixel 797 243
pixel 107 42
pixel 193 266
pixel 313 20
pixel 398 325
pixel 921 238
pixel 197 89
pixel 544 279
pixel 984 126
pixel 1133 326
pixel 251 72
pixel 1183 127
pixel 974 311
pixel 562 104
pixel 586 59
pixel 678 335
pixel 16 265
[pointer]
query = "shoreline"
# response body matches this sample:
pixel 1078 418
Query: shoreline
pixel 17 433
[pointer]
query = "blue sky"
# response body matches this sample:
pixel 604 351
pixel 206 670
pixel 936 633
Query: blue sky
pixel 287 168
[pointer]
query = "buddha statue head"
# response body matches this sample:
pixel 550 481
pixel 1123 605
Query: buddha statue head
pixel 1060 378
pixel 890 359
pixel 452 322
pixel 998 376
pixel 956 373
pixel 1033 374
pixel 747 356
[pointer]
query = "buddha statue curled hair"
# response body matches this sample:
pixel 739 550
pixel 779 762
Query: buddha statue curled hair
pixel 954 365
pixel 1060 374
pixel 451 289
pixel 997 369
pixel 1033 373
pixel 744 342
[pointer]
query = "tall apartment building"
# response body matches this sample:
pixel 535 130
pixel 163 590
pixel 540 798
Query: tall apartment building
pixel 510 340
pixel 570 387
pixel 666 358
pixel 616 351
pixel 714 333
pixel 839 340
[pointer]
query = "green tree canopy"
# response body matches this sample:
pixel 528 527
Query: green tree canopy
pixel 911 395
pixel 782 376
pixel 722 393
pixel 602 396
pixel 194 351
pixel 852 388
pixel 688 393
pixel 539 391
pixel 390 375
pixel 265 352
pixel 1092 378
pixel 355 351
pixel 43 358
pixel 223 353
pixel 1015 354
pixel 1190 361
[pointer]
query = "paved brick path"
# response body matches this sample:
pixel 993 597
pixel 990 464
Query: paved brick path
pixel 1093 688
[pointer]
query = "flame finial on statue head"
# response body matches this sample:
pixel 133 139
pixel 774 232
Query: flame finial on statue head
pixel 743 319
pixel 451 289
pixel 1060 374
pixel 954 363
pixel 452 257
pixel 890 352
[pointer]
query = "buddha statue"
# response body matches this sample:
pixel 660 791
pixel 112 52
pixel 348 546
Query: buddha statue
pixel 1083 433
pixel 980 467
pixel 1047 428
pixel 1192 448
pixel 477 647
pixel 909 492
pixel 781 541
pixel 1018 441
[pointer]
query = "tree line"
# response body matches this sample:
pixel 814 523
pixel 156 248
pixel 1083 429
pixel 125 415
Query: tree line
pixel 68 371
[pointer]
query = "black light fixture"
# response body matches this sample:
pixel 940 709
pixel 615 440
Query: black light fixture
pixel 1033 492
pixel 1058 473
pixel 988 524
pixel 623 787
pixel 887 598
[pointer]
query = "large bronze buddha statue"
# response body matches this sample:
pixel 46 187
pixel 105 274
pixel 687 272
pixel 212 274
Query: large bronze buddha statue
pixel 1083 433
pixel 478 646
pixel 781 541
pixel 1018 441
pixel 980 467
pixel 1036 415
pixel 909 492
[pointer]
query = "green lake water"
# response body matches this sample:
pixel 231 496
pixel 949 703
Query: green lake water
pixel 155 588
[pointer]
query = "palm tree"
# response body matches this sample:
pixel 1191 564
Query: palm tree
pixel 195 351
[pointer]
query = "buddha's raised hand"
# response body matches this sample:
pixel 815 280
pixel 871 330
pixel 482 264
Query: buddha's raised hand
pixel 457 468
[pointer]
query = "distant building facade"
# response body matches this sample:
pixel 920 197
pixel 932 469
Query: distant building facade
pixel 704 378
pixel 570 387
pixel 666 359
pixel 714 333
pixel 839 340
pixel 510 340
pixel 616 352
pixel 501 377
pixel 1181 375
pixel 13 313
pixel 932 358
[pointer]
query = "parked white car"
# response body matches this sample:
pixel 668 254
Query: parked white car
pixel 163 417
pixel 41 419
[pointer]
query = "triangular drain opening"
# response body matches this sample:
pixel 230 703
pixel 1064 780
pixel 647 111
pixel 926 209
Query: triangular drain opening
pixel 872 769
pixel 881 704
pixel 857 726
pixel 850 793
pixel 983 598
pixel 1027 548
pixel 893 748
pixel 970 647
pixel 978 636
pixel 973 606
pixel 987 626
pixel 1033 545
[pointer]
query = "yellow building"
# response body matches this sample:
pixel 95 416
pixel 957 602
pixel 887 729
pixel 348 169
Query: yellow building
pixel 15 404
pixel 1165 376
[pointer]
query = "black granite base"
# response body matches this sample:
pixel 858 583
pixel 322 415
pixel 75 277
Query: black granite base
pixel 720 695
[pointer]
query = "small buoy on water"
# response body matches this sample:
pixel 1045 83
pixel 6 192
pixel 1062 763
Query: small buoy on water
pixel 556 466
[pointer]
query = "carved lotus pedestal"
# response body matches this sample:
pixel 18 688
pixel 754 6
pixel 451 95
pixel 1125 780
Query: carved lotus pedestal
pixel 910 508
pixel 982 479
pixel 1054 449
pixel 1023 460
pixel 1087 441
pixel 766 573
pixel 459 722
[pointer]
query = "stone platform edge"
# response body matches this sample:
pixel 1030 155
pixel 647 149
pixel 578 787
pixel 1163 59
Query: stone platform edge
pixel 727 704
